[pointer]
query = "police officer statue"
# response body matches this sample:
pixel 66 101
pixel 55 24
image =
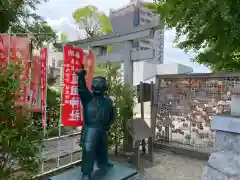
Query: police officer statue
pixel 99 115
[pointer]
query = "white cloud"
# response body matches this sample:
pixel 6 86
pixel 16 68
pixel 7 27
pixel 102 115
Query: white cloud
pixel 58 13
pixel 64 25
pixel 53 22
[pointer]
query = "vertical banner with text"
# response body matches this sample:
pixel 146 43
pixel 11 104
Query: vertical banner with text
pixel 89 61
pixel 35 84
pixel 71 108
pixel 19 50
pixel 43 56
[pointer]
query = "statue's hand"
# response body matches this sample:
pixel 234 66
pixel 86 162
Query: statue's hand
pixel 81 71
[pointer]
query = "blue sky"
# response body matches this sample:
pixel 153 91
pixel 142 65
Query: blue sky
pixel 58 13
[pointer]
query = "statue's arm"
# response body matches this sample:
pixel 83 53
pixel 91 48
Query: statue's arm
pixel 112 114
pixel 83 91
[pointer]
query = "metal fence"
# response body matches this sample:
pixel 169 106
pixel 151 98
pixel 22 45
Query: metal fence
pixel 62 150
pixel 185 106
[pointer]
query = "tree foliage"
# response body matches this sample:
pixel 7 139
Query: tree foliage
pixel 123 97
pixel 92 21
pixel 21 17
pixel 211 29
pixel 20 140
pixel 63 37
pixel 53 113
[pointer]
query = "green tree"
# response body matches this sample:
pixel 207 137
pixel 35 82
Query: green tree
pixel 211 28
pixel 53 114
pixel 123 98
pixel 63 37
pixel 21 17
pixel 94 23
pixel 20 139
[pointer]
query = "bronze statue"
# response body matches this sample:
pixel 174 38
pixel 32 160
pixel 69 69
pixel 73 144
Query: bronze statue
pixel 99 115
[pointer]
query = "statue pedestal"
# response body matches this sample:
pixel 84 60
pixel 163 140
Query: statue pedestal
pixel 224 162
pixel 120 171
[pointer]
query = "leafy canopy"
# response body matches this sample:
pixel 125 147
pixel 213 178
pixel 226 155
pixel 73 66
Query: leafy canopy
pixel 63 37
pixel 92 21
pixel 21 17
pixel 211 28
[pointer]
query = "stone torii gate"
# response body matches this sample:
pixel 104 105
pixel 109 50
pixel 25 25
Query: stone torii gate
pixel 127 57
pixel 98 44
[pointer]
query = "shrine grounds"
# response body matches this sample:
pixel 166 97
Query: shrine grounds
pixel 166 166
pixel 170 166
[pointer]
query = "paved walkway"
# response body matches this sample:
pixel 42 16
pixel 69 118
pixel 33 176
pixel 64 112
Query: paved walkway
pixel 166 165
pixel 170 166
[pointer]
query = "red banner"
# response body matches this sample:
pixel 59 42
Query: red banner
pixel 35 84
pixel 71 110
pixel 43 54
pixel 19 51
pixel 72 114
pixel 89 61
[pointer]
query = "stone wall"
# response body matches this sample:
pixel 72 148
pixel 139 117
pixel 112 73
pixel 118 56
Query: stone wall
pixel 224 162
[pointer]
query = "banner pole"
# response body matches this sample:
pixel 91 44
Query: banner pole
pixel 46 86
pixel 30 75
pixel 44 103
pixel 9 45
pixel 61 104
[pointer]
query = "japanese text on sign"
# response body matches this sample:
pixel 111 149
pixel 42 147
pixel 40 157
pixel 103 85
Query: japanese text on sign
pixel 71 110
pixel 73 59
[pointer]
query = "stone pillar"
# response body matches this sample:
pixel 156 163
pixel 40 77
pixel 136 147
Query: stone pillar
pixel 224 162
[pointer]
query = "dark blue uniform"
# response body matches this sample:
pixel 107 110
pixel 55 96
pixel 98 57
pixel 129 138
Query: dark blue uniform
pixel 99 115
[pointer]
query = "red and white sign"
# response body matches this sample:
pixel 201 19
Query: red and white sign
pixel 19 52
pixel 71 110
pixel 72 113
pixel 89 61
pixel 43 80
pixel 35 84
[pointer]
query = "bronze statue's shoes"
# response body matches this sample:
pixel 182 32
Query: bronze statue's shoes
pixel 108 165
pixel 86 177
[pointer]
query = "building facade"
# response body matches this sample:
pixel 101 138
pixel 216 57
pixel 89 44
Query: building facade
pixel 136 14
pixel 129 16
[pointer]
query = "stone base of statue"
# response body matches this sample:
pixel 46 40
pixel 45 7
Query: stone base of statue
pixel 224 162
pixel 119 171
